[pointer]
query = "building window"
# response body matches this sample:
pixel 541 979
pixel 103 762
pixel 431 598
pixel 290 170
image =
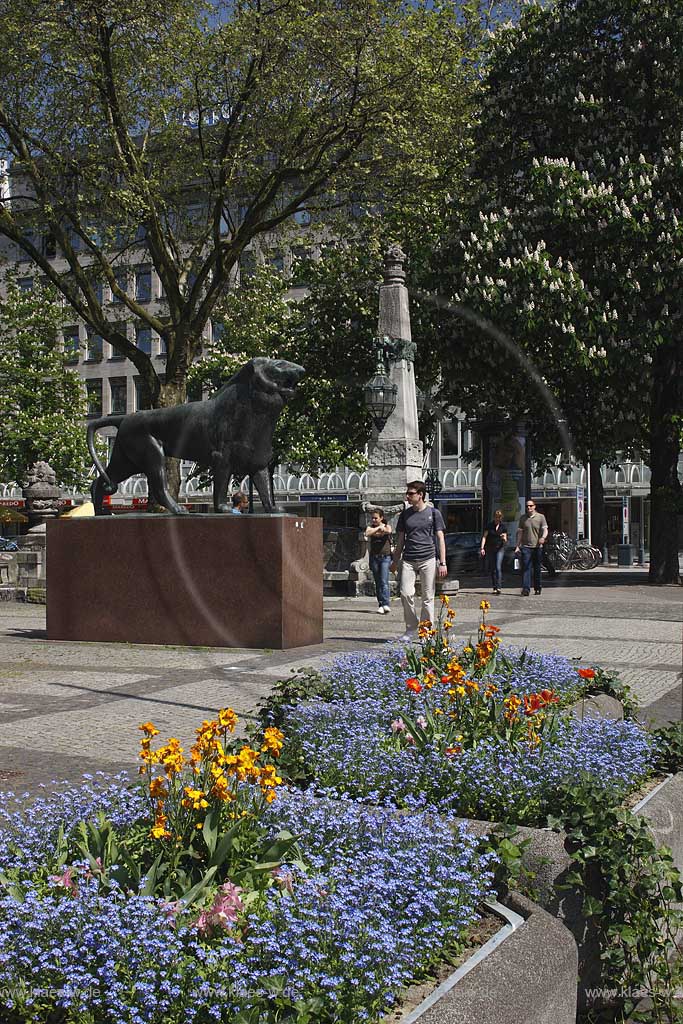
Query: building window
pixel 450 442
pixel 119 398
pixel 98 289
pixel 74 239
pixel 72 346
pixel 303 218
pixel 93 348
pixel 277 262
pixel 121 278
pixel 141 398
pixel 94 392
pixel 143 339
pixel 217 331
pixel 298 270
pixel 25 284
pixel 161 354
pixel 48 245
pixel 472 443
pixel 143 285
pixel 247 266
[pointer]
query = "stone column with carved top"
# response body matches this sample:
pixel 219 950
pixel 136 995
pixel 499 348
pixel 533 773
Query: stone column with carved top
pixel 395 452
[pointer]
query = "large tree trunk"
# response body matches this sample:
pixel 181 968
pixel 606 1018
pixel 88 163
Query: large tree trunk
pixel 666 503
pixel 597 509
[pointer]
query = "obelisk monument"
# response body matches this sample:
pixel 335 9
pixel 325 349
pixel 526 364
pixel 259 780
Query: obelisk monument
pixel 395 452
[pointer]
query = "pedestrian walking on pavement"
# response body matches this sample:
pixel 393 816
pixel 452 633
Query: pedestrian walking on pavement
pixel 493 543
pixel 532 531
pixel 378 536
pixel 420 551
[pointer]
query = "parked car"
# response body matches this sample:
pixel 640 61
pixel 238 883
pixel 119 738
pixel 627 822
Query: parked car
pixel 462 555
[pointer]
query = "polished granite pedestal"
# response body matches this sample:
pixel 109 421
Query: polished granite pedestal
pixel 249 581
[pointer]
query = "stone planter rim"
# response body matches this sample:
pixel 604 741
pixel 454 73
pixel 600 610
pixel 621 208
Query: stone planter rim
pixel 648 796
pixel 512 920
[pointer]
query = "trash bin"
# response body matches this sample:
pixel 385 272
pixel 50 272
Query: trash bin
pixel 625 554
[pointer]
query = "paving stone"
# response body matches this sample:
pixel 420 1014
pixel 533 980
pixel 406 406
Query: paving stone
pixel 66 708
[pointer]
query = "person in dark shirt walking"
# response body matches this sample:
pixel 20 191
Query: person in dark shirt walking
pixel 378 536
pixel 493 544
pixel 420 550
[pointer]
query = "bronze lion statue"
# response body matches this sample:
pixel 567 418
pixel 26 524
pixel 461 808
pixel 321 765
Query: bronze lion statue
pixel 228 434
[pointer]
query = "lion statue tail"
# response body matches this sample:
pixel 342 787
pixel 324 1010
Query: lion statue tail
pixel 93 426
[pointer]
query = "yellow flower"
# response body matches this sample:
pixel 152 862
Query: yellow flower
pixel 273 740
pixel 157 788
pixel 220 789
pixel 485 606
pixel 445 600
pixel 227 719
pixel 148 729
pixel 159 830
pixel 195 798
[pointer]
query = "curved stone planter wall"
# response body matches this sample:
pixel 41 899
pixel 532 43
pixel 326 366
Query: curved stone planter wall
pixel 547 858
pixel 516 981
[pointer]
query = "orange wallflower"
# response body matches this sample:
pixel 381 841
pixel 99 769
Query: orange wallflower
pixel 587 673
pixel 149 729
pixel 414 685
pixel 227 719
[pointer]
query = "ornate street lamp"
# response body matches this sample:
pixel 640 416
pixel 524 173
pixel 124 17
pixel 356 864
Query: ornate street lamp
pixel 433 483
pixel 380 394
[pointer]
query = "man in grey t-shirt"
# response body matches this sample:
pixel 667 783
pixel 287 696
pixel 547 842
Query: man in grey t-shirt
pixel 532 531
pixel 419 535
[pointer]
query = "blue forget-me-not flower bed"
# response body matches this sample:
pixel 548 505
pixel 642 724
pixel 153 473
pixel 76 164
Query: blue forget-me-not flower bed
pixel 345 745
pixel 376 900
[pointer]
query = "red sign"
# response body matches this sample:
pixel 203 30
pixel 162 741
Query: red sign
pixel 139 502
pixel 12 502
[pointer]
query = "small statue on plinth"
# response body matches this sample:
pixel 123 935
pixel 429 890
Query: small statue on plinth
pixel 41 493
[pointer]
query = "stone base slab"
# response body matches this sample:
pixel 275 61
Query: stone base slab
pixel 196 580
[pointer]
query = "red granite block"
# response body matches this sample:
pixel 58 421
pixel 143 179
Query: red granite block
pixel 196 580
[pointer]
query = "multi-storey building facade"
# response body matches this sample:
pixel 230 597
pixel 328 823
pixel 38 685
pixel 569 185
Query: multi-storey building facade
pixel 113 387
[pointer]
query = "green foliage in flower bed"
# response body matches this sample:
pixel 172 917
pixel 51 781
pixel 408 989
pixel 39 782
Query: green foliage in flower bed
pixel 631 892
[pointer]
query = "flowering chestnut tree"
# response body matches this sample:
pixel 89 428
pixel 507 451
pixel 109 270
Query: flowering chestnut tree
pixel 576 250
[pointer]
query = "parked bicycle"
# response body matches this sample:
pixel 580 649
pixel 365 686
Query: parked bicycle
pixel 6 544
pixel 561 552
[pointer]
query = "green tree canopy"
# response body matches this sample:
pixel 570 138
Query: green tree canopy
pixel 178 133
pixel 42 401
pixel 575 247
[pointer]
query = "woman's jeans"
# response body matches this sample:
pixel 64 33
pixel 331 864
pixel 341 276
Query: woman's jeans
pixel 379 567
pixel 495 566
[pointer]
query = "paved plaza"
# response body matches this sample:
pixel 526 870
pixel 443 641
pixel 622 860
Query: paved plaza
pixel 69 708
